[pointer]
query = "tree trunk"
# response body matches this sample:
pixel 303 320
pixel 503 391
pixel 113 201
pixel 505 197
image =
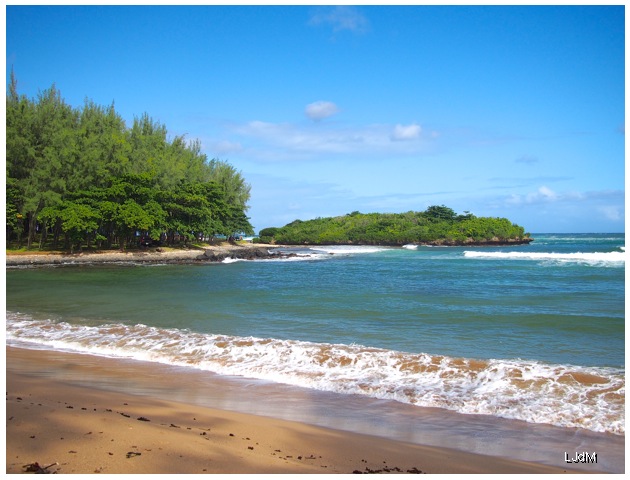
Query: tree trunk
pixel 56 233
pixel 43 236
pixel 32 222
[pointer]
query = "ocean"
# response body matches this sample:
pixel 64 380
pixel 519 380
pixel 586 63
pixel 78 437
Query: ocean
pixel 529 336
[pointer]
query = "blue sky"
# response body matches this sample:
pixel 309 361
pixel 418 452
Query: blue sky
pixel 514 112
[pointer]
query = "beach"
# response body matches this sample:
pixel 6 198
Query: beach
pixel 78 428
pixel 317 360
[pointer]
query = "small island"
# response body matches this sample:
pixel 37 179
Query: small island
pixel 437 225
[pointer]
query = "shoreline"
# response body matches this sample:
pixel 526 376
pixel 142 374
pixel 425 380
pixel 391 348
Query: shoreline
pixel 210 253
pixel 86 429
pixel 150 255
pixel 473 434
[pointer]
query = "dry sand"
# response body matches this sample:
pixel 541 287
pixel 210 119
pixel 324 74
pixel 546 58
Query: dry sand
pixel 81 429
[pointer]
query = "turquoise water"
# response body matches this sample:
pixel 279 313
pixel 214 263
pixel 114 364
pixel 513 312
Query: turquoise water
pixel 515 332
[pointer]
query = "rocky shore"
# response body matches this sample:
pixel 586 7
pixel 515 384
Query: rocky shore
pixel 154 255
pixel 199 255
pixel 469 242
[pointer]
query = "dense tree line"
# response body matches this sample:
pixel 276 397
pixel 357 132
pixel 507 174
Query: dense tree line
pixel 81 176
pixel 436 225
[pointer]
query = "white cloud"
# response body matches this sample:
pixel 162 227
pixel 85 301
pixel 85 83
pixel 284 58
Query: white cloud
pixel 286 141
pixel 406 132
pixel 320 110
pixel 545 210
pixel 341 18
pixel 605 200
pixel 295 139
pixel 542 194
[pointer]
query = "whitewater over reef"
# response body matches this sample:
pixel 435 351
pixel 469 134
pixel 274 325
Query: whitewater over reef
pixel 584 257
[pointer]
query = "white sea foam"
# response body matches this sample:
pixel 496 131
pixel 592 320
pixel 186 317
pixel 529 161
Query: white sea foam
pixel 593 258
pixel 232 260
pixel 579 239
pixel 563 395
pixel 411 246
pixel 297 257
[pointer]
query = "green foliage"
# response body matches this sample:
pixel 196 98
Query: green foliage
pixel 436 225
pixel 83 175
pixel 439 213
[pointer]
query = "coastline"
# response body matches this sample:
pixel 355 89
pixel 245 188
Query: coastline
pixel 474 434
pixel 71 421
pixel 244 251
pixel 150 255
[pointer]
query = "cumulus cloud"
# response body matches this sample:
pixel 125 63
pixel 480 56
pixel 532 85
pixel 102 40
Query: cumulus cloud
pixel 320 110
pixel 341 18
pixel 406 132
pixel 543 193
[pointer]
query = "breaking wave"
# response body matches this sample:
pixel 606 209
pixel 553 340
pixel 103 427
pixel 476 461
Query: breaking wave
pixel 569 396
pixel 591 258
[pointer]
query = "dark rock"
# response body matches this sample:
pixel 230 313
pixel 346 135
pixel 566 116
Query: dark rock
pixel 242 254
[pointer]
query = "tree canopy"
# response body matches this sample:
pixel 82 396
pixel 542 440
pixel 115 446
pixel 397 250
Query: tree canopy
pixel 83 176
pixel 435 225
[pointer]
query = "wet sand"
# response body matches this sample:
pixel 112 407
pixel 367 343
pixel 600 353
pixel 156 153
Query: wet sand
pixel 60 414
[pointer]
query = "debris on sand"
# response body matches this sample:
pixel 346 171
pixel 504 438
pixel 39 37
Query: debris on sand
pixel 37 468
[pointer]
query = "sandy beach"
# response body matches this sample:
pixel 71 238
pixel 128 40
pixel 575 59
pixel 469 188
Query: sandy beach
pixel 71 426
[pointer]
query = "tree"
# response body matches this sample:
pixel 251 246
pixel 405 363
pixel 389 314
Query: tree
pixel 438 224
pixel 194 210
pixel 104 146
pixel 50 157
pixel 78 221
pixel 83 174
pixel 14 219
pixel 237 190
pixel 440 212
